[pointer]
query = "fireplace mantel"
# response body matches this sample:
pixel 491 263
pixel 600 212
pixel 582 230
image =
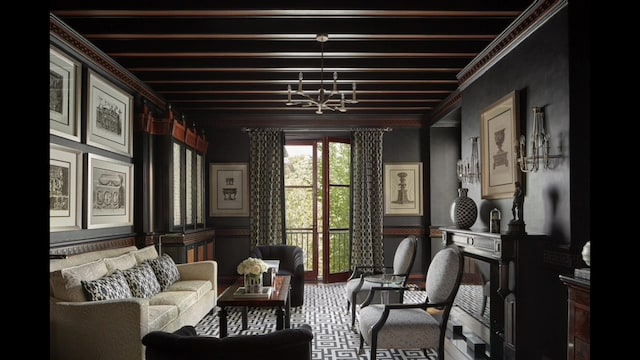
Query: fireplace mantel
pixel 515 285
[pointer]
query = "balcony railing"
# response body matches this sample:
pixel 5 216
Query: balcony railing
pixel 339 245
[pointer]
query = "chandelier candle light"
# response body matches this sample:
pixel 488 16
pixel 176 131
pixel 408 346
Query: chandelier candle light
pixel 252 269
pixel 468 170
pixel 540 144
pixel 324 100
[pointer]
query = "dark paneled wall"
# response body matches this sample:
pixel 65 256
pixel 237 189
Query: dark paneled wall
pixel 539 69
pixel 445 152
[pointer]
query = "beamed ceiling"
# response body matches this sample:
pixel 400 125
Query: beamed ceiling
pixel 232 61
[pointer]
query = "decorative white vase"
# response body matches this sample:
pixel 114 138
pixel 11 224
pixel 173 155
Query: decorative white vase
pixel 586 253
pixel 463 210
pixel 253 283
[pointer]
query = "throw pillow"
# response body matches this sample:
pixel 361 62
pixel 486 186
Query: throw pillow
pixel 165 269
pixel 142 281
pixel 145 253
pixel 122 262
pixel 108 287
pixel 70 286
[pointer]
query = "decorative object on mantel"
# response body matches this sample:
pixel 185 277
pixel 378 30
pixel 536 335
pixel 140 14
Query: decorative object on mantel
pixel 463 210
pixel 517 225
pixel 324 100
pixel 468 170
pixel 252 269
pixel 540 143
pixel 585 273
pixel 495 216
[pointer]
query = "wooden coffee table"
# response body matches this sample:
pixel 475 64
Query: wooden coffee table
pixel 279 298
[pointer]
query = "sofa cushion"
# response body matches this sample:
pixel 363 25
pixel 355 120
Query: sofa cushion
pixel 142 281
pixel 67 284
pixel 145 253
pixel 122 262
pixel 201 287
pixel 182 299
pixel 161 315
pixel 110 287
pixel 165 270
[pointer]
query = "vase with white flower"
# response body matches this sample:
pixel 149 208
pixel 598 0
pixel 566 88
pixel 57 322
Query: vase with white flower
pixel 252 269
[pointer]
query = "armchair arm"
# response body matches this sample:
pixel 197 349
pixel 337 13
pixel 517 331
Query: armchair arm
pixel 88 329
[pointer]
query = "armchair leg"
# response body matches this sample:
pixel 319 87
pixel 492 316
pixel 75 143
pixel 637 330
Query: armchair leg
pixel 361 346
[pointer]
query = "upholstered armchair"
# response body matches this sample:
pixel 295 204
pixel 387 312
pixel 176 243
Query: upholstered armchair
pixel 291 263
pixel 186 344
pixel 357 288
pixel 414 326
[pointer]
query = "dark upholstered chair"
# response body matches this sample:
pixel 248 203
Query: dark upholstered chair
pixel 414 326
pixel 291 263
pixel 186 344
pixel 357 288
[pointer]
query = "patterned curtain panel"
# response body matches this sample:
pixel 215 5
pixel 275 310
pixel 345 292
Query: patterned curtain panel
pixel 367 217
pixel 267 186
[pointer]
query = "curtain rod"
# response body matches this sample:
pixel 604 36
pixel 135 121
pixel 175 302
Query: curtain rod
pixel 320 129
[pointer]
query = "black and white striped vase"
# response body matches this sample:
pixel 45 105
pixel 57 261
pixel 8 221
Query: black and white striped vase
pixel 463 210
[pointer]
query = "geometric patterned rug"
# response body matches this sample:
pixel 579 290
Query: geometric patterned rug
pixel 325 310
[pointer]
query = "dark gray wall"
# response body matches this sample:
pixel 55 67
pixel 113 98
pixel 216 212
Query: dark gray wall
pixel 539 69
pixel 445 152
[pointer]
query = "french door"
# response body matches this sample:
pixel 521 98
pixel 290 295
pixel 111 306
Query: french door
pixel 318 205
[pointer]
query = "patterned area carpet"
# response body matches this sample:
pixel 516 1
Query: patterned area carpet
pixel 326 311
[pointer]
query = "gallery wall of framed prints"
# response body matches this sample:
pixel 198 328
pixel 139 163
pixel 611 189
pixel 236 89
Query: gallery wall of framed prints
pixel 88 187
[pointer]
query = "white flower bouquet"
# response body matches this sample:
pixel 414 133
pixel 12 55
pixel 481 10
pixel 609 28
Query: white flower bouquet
pixel 252 266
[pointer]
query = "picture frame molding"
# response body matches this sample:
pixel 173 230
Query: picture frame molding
pixel 500 183
pixel 100 166
pixel 238 207
pixel 414 179
pixel 66 122
pixel 71 159
pixel 98 88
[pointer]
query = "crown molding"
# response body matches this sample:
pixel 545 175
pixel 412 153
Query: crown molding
pixel 521 28
pixel 63 33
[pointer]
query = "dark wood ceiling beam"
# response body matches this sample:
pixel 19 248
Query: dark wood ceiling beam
pixel 293 69
pixel 284 92
pixel 293 37
pixel 291 55
pixel 306 82
pixel 316 13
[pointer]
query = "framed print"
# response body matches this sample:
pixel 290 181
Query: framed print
pixel 65 188
pixel 228 190
pixel 109 115
pixel 109 192
pixel 499 142
pixel 64 91
pixel 403 189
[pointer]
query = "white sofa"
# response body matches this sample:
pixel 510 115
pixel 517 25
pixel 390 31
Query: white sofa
pixel 82 327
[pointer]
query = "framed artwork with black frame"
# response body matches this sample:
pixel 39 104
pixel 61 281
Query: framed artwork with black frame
pixel 64 95
pixel 65 188
pixel 109 192
pixel 109 114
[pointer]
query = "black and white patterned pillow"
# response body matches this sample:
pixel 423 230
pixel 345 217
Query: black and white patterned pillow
pixel 142 281
pixel 108 287
pixel 165 269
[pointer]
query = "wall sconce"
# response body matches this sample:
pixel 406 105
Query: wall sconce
pixel 468 170
pixel 540 144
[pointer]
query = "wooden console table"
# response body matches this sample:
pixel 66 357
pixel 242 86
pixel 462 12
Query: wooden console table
pixel 579 318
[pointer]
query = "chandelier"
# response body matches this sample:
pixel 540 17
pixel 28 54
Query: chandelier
pixel 324 100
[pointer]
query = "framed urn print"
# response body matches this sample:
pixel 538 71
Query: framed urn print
pixel 228 190
pixel 65 188
pixel 64 99
pixel 499 142
pixel 109 192
pixel 109 116
pixel 403 189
